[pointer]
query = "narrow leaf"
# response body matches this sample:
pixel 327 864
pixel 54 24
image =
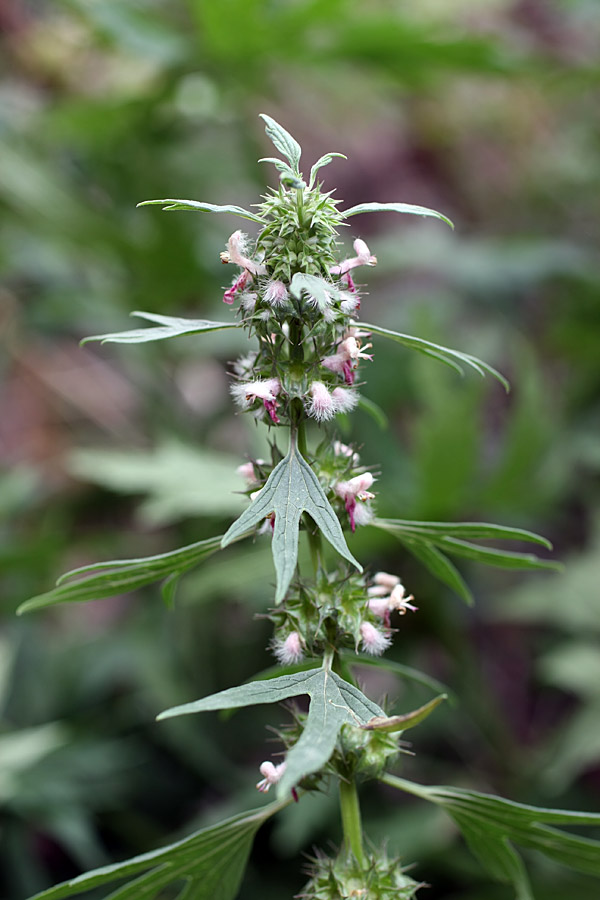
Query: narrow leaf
pixel 323 161
pixel 396 207
pixel 492 824
pixel 407 720
pixel 472 530
pixel 170 326
pixel 504 559
pixel 283 141
pixel 390 665
pixel 292 488
pixel 333 703
pixel 204 207
pixel 440 566
pixel 123 575
pixel 212 861
pixel 456 359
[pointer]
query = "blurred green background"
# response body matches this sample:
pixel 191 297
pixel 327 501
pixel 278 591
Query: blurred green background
pixel 484 109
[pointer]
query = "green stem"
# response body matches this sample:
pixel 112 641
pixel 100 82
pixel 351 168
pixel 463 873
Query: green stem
pixel 351 822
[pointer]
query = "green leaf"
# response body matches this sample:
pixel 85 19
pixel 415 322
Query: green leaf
pixel 404 721
pixel 125 575
pixel 320 290
pixel 169 326
pixel 323 161
pixel 281 167
pixel 292 488
pixel 439 565
pixel 211 862
pixel 456 359
pixel 333 703
pixel 427 540
pixel 396 207
pixel 491 825
pixel 283 141
pixel 204 207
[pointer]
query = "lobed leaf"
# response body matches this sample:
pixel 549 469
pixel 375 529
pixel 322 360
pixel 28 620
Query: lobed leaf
pixel 333 703
pixel 396 207
pixel 292 488
pixel 197 205
pixel 492 824
pixel 283 141
pixel 211 863
pixel 168 327
pixel 456 359
pixel 125 575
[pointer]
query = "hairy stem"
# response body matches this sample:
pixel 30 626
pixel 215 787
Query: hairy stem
pixel 351 822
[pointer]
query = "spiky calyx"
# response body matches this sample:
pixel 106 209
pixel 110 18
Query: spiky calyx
pixel 344 878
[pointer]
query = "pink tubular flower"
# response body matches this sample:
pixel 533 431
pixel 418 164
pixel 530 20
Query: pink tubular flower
pixel 374 642
pixel 356 488
pixel 267 391
pixel 289 651
pixel 349 352
pixel 388 594
pixel 272 774
pixel 363 258
pixel 276 293
pixel 322 405
pixel 246 470
pixel 235 253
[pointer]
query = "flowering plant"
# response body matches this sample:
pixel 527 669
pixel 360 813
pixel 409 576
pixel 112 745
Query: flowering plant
pixel 295 295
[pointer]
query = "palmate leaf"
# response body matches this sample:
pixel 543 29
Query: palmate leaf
pixel 396 207
pixel 197 205
pixel 120 576
pixel 333 703
pixel 292 488
pixel 283 141
pixel 456 359
pixel 168 327
pixel 491 825
pixel 427 540
pixel 208 865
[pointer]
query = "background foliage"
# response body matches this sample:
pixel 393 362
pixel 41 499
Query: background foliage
pixel 483 110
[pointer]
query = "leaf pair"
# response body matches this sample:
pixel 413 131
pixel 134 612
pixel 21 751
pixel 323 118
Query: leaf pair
pixel 292 488
pixel 427 540
pixel 491 825
pixel 208 865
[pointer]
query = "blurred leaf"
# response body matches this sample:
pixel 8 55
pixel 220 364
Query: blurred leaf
pixel 127 575
pixel 170 326
pixel 204 207
pixel 292 488
pixel 395 207
pixel 176 480
pixel 453 358
pixel 490 824
pixel 333 703
pixel 210 862
pixel 20 750
pixel 390 665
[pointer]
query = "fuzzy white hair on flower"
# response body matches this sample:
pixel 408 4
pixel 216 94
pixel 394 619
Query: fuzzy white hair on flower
pixel 289 651
pixel 374 642
pixel 322 405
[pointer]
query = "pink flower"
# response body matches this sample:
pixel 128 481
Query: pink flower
pixel 374 642
pixel 272 774
pixel 267 391
pixel 289 651
pixel 356 488
pixel 322 405
pixel 345 400
pixel 276 293
pixel 235 253
pixel 388 594
pixel 363 258
pixel 349 352
pixel 246 470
